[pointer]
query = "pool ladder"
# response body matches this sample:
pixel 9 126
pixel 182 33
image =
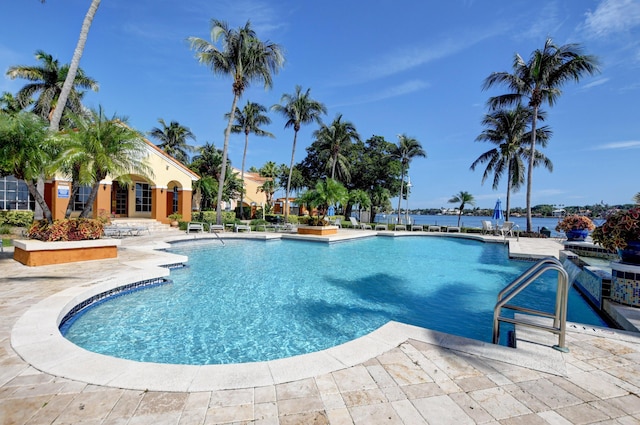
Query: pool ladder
pixel 524 280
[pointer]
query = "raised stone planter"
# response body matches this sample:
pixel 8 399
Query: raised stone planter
pixel 38 253
pixel 625 283
pixel 317 230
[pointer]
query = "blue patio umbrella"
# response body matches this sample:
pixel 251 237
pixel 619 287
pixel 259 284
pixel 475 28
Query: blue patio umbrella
pixel 497 211
pixel 331 211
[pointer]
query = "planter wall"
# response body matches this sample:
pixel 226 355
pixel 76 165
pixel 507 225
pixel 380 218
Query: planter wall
pixel 38 253
pixel 317 230
pixel 625 284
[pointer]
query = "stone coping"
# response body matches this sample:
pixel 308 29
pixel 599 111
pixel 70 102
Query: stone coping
pixel 35 245
pixel 625 267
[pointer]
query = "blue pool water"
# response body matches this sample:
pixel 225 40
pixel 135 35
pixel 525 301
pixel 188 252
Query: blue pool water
pixel 255 300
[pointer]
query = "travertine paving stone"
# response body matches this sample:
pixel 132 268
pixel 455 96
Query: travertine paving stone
pixel 415 383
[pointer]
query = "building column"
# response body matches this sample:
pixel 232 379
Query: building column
pixel 159 204
pixel 184 204
pixel 102 204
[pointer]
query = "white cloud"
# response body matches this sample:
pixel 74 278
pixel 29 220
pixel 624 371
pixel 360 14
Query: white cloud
pixel 395 91
pixel 595 83
pixel 632 144
pixel 612 16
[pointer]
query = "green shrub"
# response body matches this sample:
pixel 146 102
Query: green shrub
pixel 293 219
pixel 66 230
pixel 16 218
pixel 5 229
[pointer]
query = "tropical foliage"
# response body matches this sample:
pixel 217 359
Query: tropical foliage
pixel 297 108
pixel 104 146
pixel 66 230
pixel 247 121
pixel 408 148
pixel 245 58
pixel 173 139
pixel 507 129
pixel 539 80
pixel 333 140
pixel 463 198
pixel 575 222
pixel 46 82
pixel 26 152
pixel 326 192
pixel 619 228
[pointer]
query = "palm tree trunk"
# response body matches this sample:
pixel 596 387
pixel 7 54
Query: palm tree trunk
pixel 293 155
pixel 400 196
pixel 72 196
pixel 73 67
pixel 534 121
pixel 33 190
pixel 244 157
pixel 225 151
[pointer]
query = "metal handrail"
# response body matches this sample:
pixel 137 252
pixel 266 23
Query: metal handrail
pixel 523 281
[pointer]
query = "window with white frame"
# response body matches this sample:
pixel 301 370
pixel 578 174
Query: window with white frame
pixel 14 195
pixel 143 197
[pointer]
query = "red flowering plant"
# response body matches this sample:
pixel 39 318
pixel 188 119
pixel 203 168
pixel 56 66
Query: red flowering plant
pixel 66 230
pixel 575 222
pixel 620 228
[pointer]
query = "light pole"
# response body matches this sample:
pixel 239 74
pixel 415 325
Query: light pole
pixel 408 190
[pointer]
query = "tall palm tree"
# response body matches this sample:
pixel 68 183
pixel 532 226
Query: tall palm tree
pixel 26 151
pixel 333 140
pixel 249 120
pixel 105 146
pixel 539 80
pixel 463 198
pixel 636 198
pixel 507 129
pixel 407 149
pixel 173 139
pixel 74 67
pixel 246 59
pixel 47 80
pixel 297 108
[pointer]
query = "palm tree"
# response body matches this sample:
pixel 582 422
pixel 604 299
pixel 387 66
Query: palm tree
pixel 636 198
pixel 173 138
pixel 327 192
pixel 333 140
pixel 269 187
pixel 539 80
pixel 246 59
pixel 407 149
pixel 462 198
pixel 249 120
pixel 26 151
pixel 297 108
pixel 105 146
pixel 507 129
pixel 47 80
pixel 9 104
pixel 70 80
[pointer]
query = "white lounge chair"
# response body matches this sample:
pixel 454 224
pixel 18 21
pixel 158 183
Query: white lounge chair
pixel 195 226
pixel 433 228
pixel 506 229
pixel 357 225
pixel 239 227
pixel 216 228
pixel 417 227
pixel 487 227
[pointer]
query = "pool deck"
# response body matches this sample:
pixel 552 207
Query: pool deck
pixel 397 375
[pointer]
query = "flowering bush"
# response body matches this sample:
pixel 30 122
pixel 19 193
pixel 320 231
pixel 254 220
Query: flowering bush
pixel 575 222
pixel 66 230
pixel 620 228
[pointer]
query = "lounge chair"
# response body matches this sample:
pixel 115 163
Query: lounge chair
pixel 239 227
pixel 337 222
pixel 400 227
pixel 216 227
pixel 433 228
pixel 506 229
pixel 381 227
pixel 453 229
pixel 195 226
pixel 417 227
pixel 357 225
pixel 487 227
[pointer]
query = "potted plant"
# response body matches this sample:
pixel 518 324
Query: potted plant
pixel 327 192
pixel 621 232
pixel 175 217
pixel 576 227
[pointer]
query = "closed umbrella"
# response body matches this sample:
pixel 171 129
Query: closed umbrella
pixel 497 212
pixel 331 211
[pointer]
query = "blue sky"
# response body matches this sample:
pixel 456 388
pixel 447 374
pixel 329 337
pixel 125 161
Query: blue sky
pixel 389 67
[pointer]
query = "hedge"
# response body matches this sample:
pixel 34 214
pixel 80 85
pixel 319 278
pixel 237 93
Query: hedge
pixel 16 218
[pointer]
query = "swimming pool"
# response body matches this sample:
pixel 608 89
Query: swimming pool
pixel 254 300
